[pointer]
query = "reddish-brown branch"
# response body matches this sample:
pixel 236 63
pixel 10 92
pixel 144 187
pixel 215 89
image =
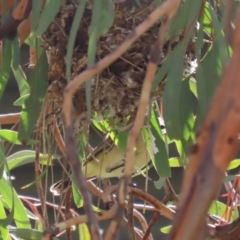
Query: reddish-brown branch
pixel 57 228
pixel 216 145
pixel 71 150
pixel 9 118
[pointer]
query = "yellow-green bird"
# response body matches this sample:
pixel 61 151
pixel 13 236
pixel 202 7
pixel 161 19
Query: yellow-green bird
pixel 108 162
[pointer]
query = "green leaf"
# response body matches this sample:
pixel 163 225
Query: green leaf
pixel 15 53
pixel 43 173
pixel 73 32
pixel 159 183
pixel 175 162
pixel 207 20
pixel 11 136
pixel 120 139
pixel 6 64
pixel 163 70
pixel 32 109
pixel 172 95
pixel 77 197
pixel 4 234
pixel 166 230
pixel 187 15
pixel 233 164
pixel 193 86
pixel 25 233
pixel 19 214
pixel 24 157
pixel 83 232
pixel 230 178
pixel 36 12
pixel 102 19
pixel 160 158
pixel 2 158
pixel 218 208
pixel 21 81
pixel 49 12
pixel 207 77
pixel 20 101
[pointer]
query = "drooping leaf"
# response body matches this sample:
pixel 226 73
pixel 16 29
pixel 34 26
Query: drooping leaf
pixel 43 173
pixel 233 164
pixel 49 12
pixel 6 64
pixel 4 233
pixel 159 183
pixel 24 157
pixel 102 19
pixel 75 25
pixel 15 53
pixel 219 208
pixel 77 197
pixel 32 109
pixel 21 81
pixel 230 178
pixel 2 158
pixel 207 20
pixel 187 15
pixel 11 136
pixel 160 158
pixel 83 232
pixel 175 162
pixel 20 101
pixel 24 233
pixel 19 214
pixel 36 12
pixel 166 230
pixel 193 86
pixel 172 95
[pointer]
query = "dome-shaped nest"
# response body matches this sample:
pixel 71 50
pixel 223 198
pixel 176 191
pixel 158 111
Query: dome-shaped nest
pixel 116 90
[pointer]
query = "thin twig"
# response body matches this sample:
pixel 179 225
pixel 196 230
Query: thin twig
pixel 71 148
pixel 39 186
pixel 57 228
pixel 9 118
pixel 130 219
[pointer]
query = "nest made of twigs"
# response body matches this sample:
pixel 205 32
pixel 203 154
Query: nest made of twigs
pixel 116 90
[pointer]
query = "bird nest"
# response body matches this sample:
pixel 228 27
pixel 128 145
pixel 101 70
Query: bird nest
pixel 116 90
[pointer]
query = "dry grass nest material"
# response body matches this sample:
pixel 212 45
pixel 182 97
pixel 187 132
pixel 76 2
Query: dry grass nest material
pixel 115 91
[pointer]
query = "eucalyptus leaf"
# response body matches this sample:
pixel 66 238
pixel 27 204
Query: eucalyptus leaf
pixel 17 213
pixel 30 113
pixel 20 101
pixel 73 32
pixel 6 64
pixel 24 233
pixel 49 12
pixel 83 232
pixel 160 158
pixel 11 137
pixel 24 157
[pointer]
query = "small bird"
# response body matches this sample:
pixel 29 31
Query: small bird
pixel 107 162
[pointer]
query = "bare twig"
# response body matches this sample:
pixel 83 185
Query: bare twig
pixel 143 104
pixel 160 207
pixel 57 228
pixel 71 149
pixel 216 145
pixel 9 118
pixel 125 224
pixel 130 218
